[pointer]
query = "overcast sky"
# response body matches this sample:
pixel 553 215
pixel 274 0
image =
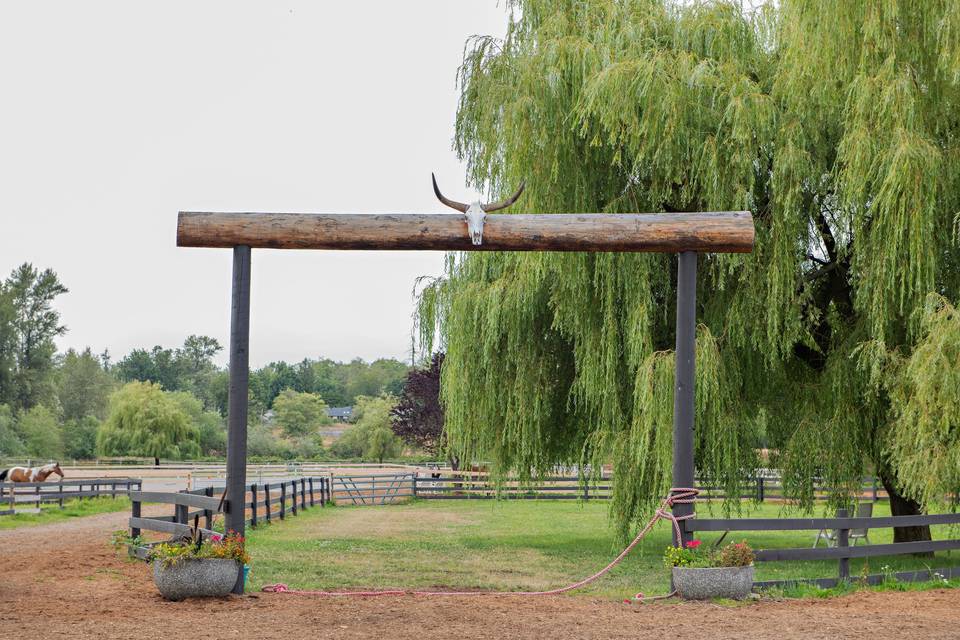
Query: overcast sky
pixel 117 115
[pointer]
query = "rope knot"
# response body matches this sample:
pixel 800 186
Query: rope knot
pixel 276 588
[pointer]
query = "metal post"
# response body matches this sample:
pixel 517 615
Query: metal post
pixel 683 396
pixel 237 403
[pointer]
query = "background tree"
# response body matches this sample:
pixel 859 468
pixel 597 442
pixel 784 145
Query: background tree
pixel 144 420
pixel 29 293
pixel 300 414
pixel 211 430
pixel 417 418
pixel 370 437
pixel 41 434
pixel 80 438
pixel 10 443
pixel 832 122
pixel 83 385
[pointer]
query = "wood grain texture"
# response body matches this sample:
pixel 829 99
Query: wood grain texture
pixel 720 232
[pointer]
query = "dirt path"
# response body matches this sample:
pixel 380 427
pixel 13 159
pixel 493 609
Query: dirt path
pixel 64 580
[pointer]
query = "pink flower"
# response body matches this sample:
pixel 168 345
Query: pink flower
pixel 216 537
pixel 693 544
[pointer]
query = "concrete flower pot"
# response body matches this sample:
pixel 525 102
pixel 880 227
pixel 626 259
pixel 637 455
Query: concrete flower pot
pixel 192 577
pixel 713 582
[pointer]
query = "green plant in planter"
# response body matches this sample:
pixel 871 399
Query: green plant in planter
pixel 695 555
pixel 223 547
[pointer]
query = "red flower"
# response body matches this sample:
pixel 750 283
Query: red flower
pixel 693 544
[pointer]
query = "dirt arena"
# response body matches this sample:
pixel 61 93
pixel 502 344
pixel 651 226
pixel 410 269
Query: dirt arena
pixel 64 580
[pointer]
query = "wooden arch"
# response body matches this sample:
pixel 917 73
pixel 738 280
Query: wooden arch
pixel 686 234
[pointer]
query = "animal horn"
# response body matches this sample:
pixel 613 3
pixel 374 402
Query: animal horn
pixel 453 204
pixel 503 204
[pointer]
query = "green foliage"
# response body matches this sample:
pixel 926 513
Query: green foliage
pixel 83 385
pixel 80 438
pixel 209 425
pixel 229 547
pixel 144 420
pixel 41 433
pixel 338 384
pixel 28 326
pixel 10 443
pixel 831 122
pixel 926 399
pixel 300 414
pixel 189 368
pixel 371 436
pixel 696 554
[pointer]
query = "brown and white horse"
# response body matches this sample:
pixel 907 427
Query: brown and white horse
pixel 30 474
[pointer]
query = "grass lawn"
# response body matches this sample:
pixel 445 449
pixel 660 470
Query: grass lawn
pixel 506 545
pixel 71 509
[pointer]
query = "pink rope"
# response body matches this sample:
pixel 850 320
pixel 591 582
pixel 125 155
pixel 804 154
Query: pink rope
pixel 678 495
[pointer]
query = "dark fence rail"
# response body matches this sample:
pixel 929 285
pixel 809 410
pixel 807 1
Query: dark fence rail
pixel 839 528
pixel 13 494
pixel 446 484
pixel 262 502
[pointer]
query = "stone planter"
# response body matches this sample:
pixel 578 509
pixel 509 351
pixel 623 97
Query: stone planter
pixel 194 577
pixel 714 582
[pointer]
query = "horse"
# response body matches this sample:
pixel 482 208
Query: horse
pixel 30 474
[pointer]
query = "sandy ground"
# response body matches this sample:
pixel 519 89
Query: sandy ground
pixel 64 580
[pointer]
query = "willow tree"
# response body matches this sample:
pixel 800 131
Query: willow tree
pixel 835 123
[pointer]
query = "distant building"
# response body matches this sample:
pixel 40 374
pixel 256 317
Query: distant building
pixel 340 414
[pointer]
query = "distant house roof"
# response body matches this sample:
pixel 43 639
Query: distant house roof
pixel 339 412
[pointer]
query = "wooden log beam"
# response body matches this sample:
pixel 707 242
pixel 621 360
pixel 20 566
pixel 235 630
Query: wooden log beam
pixel 721 232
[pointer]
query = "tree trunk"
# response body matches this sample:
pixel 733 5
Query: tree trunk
pixel 901 505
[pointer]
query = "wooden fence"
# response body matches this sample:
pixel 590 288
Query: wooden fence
pixel 840 527
pixel 440 484
pixel 262 503
pixel 14 494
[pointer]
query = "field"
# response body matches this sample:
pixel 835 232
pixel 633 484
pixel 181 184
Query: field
pixel 508 545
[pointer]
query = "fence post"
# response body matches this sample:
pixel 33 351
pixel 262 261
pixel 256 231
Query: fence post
pixel 135 513
pixel 293 502
pixel 60 489
pixel 760 488
pixel 874 488
pixel 38 497
pixel 266 499
pixel 310 481
pixel 303 493
pixel 843 540
pixel 283 499
pixel 413 484
pixel 208 513
pixel 181 514
pixel 253 504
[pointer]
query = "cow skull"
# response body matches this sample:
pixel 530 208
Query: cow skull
pixel 475 213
